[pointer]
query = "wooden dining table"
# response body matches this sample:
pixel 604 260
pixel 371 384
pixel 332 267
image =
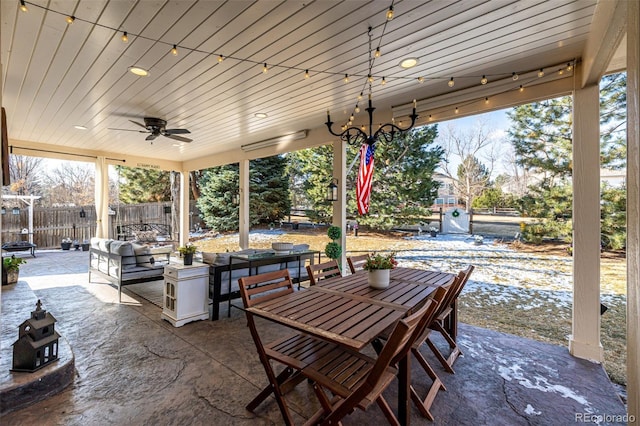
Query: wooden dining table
pixel 346 311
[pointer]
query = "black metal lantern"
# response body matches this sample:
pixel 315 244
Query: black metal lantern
pixel 167 209
pixel 37 343
pixel 15 210
pixel 4 210
pixel 332 191
pixel 83 214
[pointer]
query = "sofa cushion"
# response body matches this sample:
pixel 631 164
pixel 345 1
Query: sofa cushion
pixel 122 248
pixel 140 249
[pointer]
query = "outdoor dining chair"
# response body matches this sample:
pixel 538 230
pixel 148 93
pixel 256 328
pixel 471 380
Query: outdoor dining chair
pixel 445 319
pixel 295 351
pixel 321 271
pixel 356 380
pixel 424 403
pixel 356 263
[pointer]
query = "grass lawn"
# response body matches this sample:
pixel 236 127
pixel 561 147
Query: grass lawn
pixel 518 289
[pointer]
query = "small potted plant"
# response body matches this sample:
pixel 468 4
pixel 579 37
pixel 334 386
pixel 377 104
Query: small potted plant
pixel 85 245
pixel 433 232
pixel 11 269
pixel 379 267
pixel 187 251
pixel 66 243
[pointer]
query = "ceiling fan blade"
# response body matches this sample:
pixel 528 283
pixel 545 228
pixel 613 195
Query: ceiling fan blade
pixel 128 130
pixel 176 131
pixel 139 124
pixel 151 137
pixel 178 138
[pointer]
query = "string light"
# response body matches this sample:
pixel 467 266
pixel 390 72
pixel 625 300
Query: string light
pixel 483 80
pixel 521 88
pixel 306 73
pixel 390 13
pixel 486 100
pixel 456 110
pixel 174 50
pixel 357 109
pixel 560 71
pixel 420 80
pixel 569 67
pixel 220 59
pixel 360 96
pixel 125 37
pixel 264 68
pixel 451 83
pixel 23 7
pixel 70 19
pixel 514 76
pixel 370 78
pixel 346 78
pixel 377 54
pixel 383 82
pixel 351 118
pixel 541 73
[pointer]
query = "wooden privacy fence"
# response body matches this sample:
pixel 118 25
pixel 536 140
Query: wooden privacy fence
pixel 52 224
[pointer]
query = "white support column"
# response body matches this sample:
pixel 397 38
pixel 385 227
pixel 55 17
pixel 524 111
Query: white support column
pixel 340 206
pixel 243 215
pixel 584 341
pixel 185 218
pixel 633 210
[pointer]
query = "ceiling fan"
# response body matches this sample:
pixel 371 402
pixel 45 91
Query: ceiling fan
pixel 157 127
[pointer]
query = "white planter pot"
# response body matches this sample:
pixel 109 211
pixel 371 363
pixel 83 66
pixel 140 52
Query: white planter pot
pixel 379 278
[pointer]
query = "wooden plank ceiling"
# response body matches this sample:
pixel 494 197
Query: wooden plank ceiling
pixel 57 75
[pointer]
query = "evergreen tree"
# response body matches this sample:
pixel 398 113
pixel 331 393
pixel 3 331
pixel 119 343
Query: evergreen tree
pixel 268 193
pixel 138 185
pixel 402 188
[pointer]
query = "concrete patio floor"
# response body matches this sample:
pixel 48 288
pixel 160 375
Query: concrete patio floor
pixel 134 368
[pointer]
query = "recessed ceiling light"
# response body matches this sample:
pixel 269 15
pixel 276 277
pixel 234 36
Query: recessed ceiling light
pixel 409 62
pixel 261 115
pixel 139 71
pixel 79 127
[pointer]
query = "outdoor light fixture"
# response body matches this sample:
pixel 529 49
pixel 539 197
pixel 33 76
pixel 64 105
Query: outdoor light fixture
pixel 140 72
pixel 15 210
pixel 332 190
pixel 3 210
pixel 386 132
pixel 167 209
pixel 83 214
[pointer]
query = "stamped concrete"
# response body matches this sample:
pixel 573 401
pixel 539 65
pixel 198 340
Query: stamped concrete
pixel 134 368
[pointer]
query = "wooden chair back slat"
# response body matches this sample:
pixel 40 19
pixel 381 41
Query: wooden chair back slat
pixel 321 271
pixel 356 263
pixel 263 287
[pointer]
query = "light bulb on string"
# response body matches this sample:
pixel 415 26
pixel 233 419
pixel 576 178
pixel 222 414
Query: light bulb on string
pixel 420 80
pixel 174 50
pixel 370 78
pixel 483 80
pixel 306 73
pixel 560 71
pixel 390 13
pixel 346 78
pixel 70 19
pixel 457 110
pixel 383 82
pixel 265 69
pixel 569 67
pixel 220 58
pixel 360 96
pixel 125 37
pixel 541 73
pixel 486 100
pixel 451 83
pixel 357 109
pixel 521 88
pixel 23 7
pixel 377 53
pixel 514 76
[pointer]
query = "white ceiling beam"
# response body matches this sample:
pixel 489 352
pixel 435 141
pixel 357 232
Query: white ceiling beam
pixel 607 31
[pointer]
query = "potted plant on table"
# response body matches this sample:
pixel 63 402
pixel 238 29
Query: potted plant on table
pixel 11 269
pixel 187 251
pixel 379 267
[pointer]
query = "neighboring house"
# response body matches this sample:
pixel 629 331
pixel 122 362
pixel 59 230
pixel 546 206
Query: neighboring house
pixel 446 193
pixel 614 178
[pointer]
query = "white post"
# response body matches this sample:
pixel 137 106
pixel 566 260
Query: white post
pixel 102 197
pixel 184 208
pixel 584 341
pixel 633 209
pixel 340 206
pixel 31 202
pixel 243 214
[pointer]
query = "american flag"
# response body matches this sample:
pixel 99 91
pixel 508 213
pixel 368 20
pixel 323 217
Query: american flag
pixel 365 176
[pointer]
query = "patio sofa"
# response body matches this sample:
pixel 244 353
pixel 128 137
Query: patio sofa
pixel 220 267
pixel 124 262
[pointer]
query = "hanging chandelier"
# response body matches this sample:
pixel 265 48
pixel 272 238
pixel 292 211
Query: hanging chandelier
pixel 385 132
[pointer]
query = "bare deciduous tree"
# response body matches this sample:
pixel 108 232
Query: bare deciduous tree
pixel 70 184
pixel 464 151
pixel 25 174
